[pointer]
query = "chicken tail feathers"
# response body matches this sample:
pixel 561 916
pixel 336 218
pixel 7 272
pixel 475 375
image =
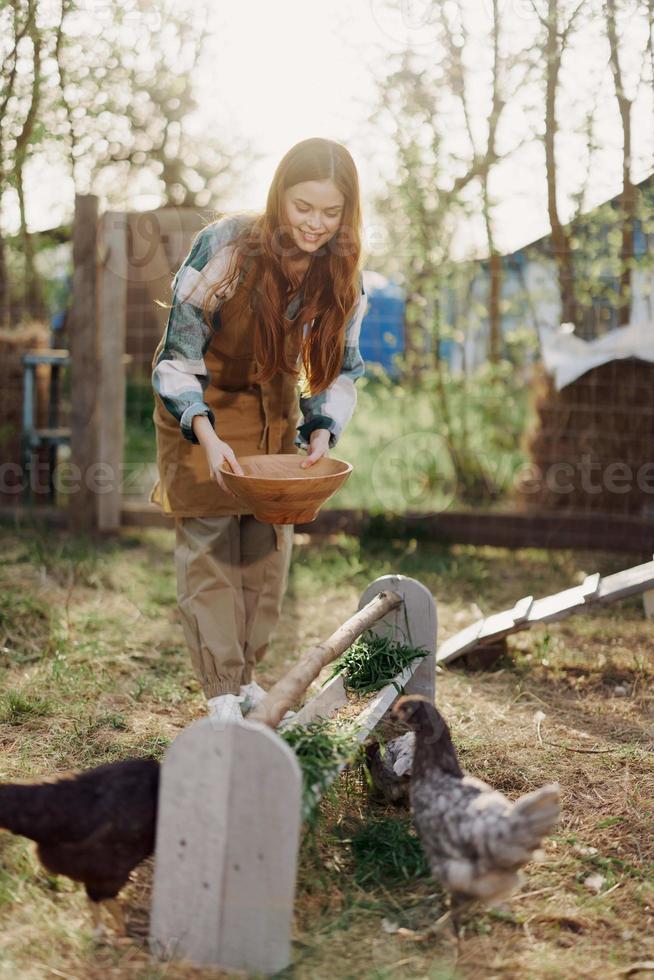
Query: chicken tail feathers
pixel 23 809
pixel 534 816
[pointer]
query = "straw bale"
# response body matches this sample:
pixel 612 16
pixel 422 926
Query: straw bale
pixel 592 443
pixel 14 342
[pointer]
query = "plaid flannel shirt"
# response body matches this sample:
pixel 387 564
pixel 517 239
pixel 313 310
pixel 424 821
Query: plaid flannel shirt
pixel 180 376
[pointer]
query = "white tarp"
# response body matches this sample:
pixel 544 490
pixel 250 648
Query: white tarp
pixel 567 357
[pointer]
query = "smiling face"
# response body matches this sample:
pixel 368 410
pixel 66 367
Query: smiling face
pixel 314 211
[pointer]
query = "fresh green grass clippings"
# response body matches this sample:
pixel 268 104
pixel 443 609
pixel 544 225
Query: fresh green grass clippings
pixel 373 661
pixel 320 751
pixel 387 851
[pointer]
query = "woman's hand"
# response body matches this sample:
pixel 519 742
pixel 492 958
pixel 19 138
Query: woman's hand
pixel 218 452
pixel 319 446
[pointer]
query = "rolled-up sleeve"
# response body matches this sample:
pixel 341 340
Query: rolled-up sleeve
pixel 180 375
pixel 333 408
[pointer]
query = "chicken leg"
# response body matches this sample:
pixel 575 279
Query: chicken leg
pixel 115 910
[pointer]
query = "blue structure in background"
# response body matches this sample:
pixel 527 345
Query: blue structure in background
pixel 382 330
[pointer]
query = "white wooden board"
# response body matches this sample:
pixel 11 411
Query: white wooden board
pixel 329 699
pixel 594 590
pixel 226 849
pixel 415 622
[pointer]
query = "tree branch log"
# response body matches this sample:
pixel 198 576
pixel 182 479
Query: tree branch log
pixel 290 688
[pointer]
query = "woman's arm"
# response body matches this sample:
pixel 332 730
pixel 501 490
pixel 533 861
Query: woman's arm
pixel 333 408
pixel 217 451
pixel 180 376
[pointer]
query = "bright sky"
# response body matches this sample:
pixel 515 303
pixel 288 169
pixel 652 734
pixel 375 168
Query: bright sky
pixel 279 72
pixel 300 72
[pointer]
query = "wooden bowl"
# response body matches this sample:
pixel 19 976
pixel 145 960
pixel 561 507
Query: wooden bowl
pixel 279 492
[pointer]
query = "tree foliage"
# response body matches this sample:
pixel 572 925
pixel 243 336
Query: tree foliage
pixel 106 91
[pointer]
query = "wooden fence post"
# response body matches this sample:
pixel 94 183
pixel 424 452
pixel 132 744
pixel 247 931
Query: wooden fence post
pixel 112 314
pixel 84 364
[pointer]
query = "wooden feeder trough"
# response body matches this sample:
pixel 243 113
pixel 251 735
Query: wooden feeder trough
pixel 229 816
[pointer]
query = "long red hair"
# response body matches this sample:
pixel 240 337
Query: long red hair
pixel 331 284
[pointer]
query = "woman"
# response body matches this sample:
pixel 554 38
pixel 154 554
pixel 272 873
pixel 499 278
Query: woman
pixel 258 297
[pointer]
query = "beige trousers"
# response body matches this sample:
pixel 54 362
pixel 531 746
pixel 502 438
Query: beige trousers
pixel 232 574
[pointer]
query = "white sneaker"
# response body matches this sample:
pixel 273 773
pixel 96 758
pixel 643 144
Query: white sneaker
pixel 251 695
pixel 224 709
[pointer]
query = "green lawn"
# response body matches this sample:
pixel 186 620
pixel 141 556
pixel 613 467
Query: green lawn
pixel 397 443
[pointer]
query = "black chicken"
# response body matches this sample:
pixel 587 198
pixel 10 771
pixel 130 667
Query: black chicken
pixel 94 826
pixel 475 840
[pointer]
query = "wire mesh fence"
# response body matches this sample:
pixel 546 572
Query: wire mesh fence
pixel 158 242
pixel 34 412
pixel 588 448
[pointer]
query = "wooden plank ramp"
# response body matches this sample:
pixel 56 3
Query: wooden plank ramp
pixel 593 591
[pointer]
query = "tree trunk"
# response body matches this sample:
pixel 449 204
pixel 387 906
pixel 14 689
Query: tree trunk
pixel 32 289
pixel 494 314
pixel 4 284
pixel 560 238
pixel 33 294
pixel 628 195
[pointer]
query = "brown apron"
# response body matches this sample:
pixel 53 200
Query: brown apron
pixel 253 418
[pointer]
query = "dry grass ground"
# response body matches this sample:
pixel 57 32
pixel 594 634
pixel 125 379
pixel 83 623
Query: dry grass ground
pixel 95 668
